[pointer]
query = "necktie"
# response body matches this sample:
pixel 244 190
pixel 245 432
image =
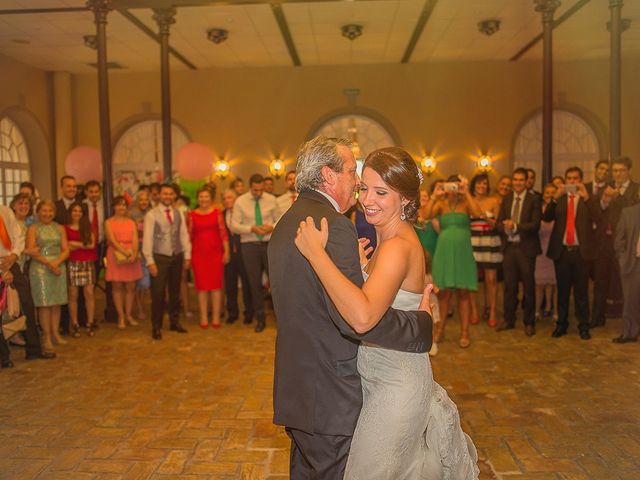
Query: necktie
pixel 258 216
pixel 516 211
pixel 169 217
pixel 94 221
pixel 571 221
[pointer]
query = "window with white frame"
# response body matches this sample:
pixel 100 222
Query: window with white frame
pixel 14 160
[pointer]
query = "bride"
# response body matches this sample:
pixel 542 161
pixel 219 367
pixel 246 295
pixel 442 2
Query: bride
pixel 408 427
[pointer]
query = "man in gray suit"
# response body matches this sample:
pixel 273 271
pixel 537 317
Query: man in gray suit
pixel 627 247
pixel 317 389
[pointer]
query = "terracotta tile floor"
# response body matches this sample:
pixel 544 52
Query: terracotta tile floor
pixel 195 406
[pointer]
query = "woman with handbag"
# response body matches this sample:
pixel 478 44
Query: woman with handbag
pixel 123 262
pixel 47 246
pixel 81 266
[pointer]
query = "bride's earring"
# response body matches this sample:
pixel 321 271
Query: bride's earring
pixel 403 216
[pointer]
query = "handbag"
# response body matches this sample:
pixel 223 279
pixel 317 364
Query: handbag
pixel 122 258
pixel 12 322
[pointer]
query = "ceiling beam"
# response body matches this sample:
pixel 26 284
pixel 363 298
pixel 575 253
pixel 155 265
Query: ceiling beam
pixel 562 18
pixel 276 8
pixel 129 4
pixel 427 10
pixel 23 11
pixel 153 35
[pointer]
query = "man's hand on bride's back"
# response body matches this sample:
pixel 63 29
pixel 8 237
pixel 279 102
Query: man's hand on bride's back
pixel 309 240
pixel 425 303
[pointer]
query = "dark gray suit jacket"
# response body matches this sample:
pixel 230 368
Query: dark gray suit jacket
pixel 316 384
pixel 626 241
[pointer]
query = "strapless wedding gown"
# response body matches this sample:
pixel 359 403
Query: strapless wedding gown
pixel 409 428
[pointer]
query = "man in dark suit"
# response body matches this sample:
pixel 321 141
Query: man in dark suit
pixel 518 223
pixel 531 181
pixel 602 265
pixel 621 193
pixel 235 268
pixel 627 247
pixel 572 247
pixel 317 390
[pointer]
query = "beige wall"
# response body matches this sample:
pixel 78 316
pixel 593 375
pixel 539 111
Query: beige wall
pixel 455 110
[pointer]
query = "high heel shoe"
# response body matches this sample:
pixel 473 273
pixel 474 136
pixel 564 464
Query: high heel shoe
pixel 91 330
pixel 204 326
pixel 464 342
pixel 132 321
pixel 121 324
pixel 216 325
pixel 75 331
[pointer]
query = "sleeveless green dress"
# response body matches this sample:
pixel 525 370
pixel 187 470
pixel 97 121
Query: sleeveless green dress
pixel 453 263
pixel 47 288
pixel 428 236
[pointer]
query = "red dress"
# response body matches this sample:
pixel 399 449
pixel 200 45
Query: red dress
pixel 207 234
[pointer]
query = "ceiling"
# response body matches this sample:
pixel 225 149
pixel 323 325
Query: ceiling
pixel 391 32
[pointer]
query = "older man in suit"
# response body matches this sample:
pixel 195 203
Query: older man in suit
pixel 518 223
pixel 572 247
pixel 317 389
pixel 627 247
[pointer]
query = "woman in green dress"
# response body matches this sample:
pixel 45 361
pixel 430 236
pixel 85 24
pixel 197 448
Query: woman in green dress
pixel 47 245
pixel 454 267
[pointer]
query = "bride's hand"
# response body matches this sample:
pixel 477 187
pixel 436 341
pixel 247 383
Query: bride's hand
pixel 425 303
pixel 309 240
pixel 364 249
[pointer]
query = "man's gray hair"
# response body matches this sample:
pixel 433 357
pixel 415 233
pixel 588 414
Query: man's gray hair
pixel 317 153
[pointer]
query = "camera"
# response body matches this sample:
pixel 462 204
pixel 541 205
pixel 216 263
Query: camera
pixel 571 188
pixel 450 186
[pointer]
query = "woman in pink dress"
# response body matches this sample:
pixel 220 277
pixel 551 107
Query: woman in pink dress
pixel 123 262
pixel 209 253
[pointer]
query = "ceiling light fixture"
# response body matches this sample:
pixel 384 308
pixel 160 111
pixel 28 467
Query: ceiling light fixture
pixel 351 31
pixel 90 41
pixel 489 27
pixel 217 35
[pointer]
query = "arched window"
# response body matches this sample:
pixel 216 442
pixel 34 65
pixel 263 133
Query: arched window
pixel 14 160
pixel 574 144
pixel 137 156
pixel 364 131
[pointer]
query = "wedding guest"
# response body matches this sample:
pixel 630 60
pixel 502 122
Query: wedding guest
pixel 254 216
pixel 137 212
pixel 154 194
pixel 545 272
pixel 486 244
pixel 81 266
pixel 209 254
pixel 427 228
pixel 503 188
pixel 557 181
pixel 572 247
pixel 268 185
pixel 454 268
pixel 69 189
pixel 182 203
pixel 531 181
pixel 94 207
pixel 123 262
pixel 234 270
pixel 284 201
pixel 167 250
pixel 47 246
pixel 238 185
pixel 518 223
pixel 627 247
pixel 22 208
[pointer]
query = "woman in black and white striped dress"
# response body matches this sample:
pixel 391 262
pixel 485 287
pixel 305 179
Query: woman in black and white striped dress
pixel 486 247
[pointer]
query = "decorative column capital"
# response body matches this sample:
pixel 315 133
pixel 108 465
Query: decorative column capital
pixel 547 8
pixel 100 9
pixel 616 3
pixel 164 17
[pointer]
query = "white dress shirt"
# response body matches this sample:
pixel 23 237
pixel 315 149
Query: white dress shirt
pixel 243 216
pixel 16 234
pixel 157 232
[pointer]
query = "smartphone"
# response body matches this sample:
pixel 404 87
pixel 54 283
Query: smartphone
pixel 450 186
pixel 571 188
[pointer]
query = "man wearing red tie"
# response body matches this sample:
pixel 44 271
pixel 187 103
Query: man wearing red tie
pixel 571 247
pixel 284 201
pixel 95 209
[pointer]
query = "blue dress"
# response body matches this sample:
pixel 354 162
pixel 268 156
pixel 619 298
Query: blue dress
pixel 47 288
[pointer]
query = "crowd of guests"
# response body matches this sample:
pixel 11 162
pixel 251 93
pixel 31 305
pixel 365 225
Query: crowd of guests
pixel 541 245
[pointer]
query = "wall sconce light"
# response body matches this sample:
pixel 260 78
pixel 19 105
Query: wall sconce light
pixel 428 164
pixel 222 169
pixel 484 163
pixel 276 167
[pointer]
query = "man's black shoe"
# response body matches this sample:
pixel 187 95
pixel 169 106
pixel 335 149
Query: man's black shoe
pixel 505 326
pixel 247 320
pixel 6 364
pixel 260 327
pixel 585 335
pixel 41 356
pixel 231 320
pixel 529 330
pixel 156 335
pixel 623 339
pixel 178 328
pixel 558 332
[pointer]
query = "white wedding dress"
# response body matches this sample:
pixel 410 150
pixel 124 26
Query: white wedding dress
pixel 409 428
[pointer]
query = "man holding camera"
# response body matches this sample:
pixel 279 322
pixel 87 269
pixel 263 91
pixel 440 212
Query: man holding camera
pixel 572 247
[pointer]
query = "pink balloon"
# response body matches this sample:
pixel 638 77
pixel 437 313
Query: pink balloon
pixel 84 163
pixel 194 161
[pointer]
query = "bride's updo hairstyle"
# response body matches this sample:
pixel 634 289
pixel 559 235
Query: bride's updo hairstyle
pixel 398 170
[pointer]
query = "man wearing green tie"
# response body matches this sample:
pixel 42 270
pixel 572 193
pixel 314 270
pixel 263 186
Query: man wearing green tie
pixel 253 218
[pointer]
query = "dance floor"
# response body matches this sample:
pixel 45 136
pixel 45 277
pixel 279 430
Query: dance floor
pixel 197 406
